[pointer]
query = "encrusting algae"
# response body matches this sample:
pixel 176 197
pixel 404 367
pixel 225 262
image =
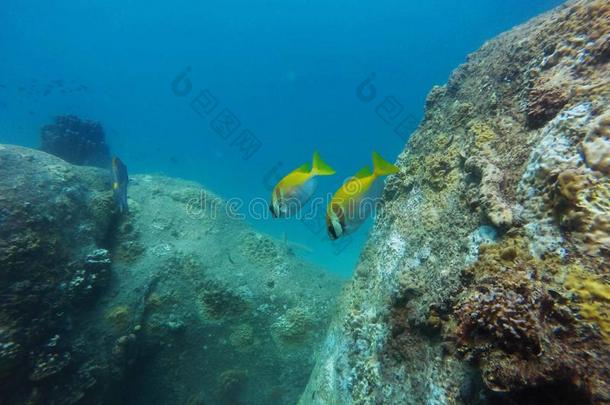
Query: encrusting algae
pixel 485 278
pixel 593 299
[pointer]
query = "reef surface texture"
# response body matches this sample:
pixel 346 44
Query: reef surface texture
pixel 174 303
pixel 485 278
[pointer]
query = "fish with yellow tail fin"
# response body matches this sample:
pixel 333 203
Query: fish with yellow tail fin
pixel 120 179
pixel 351 205
pixel 294 190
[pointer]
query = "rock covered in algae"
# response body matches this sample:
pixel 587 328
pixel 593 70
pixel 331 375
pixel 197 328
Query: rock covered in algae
pixel 54 219
pixel 217 300
pixel 175 302
pixel 432 316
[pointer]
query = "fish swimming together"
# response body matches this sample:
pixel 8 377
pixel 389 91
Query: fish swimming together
pixel 119 184
pixel 297 187
pixel 349 206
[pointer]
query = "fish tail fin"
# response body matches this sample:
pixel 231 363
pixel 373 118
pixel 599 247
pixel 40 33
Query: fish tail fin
pixel 319 167
pixel 382 167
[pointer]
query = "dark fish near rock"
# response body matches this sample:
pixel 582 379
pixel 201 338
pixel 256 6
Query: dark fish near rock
pixel 119 184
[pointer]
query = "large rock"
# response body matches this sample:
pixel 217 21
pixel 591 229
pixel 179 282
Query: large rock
pixel 226 315
pixel 55 221
pixel 485 279
pixel 176 303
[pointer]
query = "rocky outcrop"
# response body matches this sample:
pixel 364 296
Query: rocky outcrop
pixel 485 278
pixel 54 220
pixel 176 302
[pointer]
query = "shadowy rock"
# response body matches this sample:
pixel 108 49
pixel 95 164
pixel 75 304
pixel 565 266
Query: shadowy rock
pixel 54 261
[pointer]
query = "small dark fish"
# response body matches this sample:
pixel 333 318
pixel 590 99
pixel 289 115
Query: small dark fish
pixel 2 86
pixel 173 160
pixel 119 184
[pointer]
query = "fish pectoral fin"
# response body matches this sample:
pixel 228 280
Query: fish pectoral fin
pixel 319 167
pixel 381 167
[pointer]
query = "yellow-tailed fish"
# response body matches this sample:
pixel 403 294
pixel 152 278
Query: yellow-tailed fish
pixel 350 206
pixel 120 180
pixel 294 190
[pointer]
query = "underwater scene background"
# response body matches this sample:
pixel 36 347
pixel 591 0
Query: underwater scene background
pixel 454 158
pixel 288 71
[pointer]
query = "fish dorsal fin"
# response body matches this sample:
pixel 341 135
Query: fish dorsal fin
pixel 305 168
pixel 363 173
pixel 320 167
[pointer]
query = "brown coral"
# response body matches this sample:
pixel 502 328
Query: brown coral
pixel 544 101
pixel 218 301
pixel 515 321
pixel 506 316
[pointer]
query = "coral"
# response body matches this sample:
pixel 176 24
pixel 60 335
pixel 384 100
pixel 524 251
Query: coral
pixel 293 326
pixel 231 383
pixel 558 184
pixel 545 99
pixel 594 295
pixel 129 251
pixel 589 43
pixel 260 250
pixel 125 350
pixel 49 364
pixel 11 353
pixel 597 154
pixel 438 168
pixel 242 337
pixel 512 319
pixel 497 210
pixel 509 317
pixel 481 134
pixel 77 141
pixel 584 206
pixel 94 273
pixel 219 301
pixel 119 317
pixel 596 145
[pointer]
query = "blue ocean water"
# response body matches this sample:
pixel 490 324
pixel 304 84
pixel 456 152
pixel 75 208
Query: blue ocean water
pixel 284 73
